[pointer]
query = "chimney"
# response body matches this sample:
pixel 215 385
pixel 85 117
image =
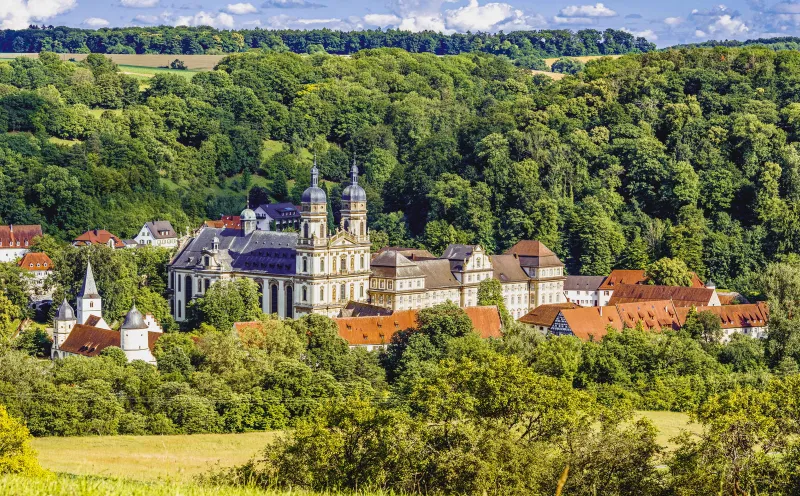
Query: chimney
pixel 601 311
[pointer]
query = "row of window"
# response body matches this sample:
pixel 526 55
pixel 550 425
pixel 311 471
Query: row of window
pixel 342 264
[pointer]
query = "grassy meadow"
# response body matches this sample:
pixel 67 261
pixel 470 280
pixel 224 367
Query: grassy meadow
pixel 193 62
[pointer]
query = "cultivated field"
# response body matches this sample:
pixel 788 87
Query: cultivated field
pixel 195 62
pixel 148 458
pixel 587 58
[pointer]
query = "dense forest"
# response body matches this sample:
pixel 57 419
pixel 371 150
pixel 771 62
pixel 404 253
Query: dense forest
pixel 691 154
pixel 525 47
pixel 776 43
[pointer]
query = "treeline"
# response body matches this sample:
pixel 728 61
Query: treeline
pixel 182 40
pixel 776 43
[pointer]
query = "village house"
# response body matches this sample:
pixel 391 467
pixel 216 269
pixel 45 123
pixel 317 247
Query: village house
pixel 277 217
pixel 375 333
pixel 98 237
pixel 621 276
pixel 544 269
pixel 542 317
pixel 750 319
pixel 39 266
pixel 15 241
pixel 157 233
pixel 680 295
pixel 86 333
pixel 586 323
pixel 583 290
pixel 650 315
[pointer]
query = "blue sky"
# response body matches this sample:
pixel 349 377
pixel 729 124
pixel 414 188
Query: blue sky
pixel 664 22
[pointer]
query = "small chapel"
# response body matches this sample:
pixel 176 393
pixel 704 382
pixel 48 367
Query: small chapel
pixel 86 333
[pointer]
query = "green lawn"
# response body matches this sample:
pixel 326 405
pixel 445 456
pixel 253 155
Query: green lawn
pixel 669 425
pixel 148 458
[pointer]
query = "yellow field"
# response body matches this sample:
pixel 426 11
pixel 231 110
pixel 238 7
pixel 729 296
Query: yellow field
pixel 669 425
pixel 148 458
pixel 196 62
pixel 553 75
pixel 549 62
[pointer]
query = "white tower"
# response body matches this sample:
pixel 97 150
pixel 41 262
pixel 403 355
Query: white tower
pixel 89 301
pixel 354 207
pixel 62 325
pixel 133 337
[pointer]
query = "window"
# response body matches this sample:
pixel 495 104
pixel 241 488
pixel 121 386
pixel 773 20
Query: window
pixel 391 284
pixel 361 290
pixel 305 294
pixel 419 283
pixel 362 233
pixel 322 265
pixel 305 230
pixel 322 294
pixel 352 263
pixel 381 284
pixel 344 294
pixel 334 293
pixel 305 267
pixel 343 264
pixel 374 283
pixel 363 266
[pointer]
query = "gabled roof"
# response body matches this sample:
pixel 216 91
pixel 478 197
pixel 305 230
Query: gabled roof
pixel 734 316
pixel 591 323
pixel 654 315
pixel 380 329
pixel 583 283
pixel 731 298
pixel 226 222
pixel 625 276
pixel 394 265
pixel 534 254
pixel 412 254
pixel 507 269
pixel 283 210
pixel 544 315
pixel 98 237
pixel 13 236
pixel 35 262
pixel 361 309
pixel 437 274
pixel 458 252
pixel 90 341
pixel 680 296
pixel 161 229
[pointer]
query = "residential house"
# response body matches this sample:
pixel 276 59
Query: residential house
pixel 681 296
pixel 586 323
pixel 651 315
pixel 750 319
pixel 583 290
pixel 15 241
pixel 544 269
pixel 542 317
pixel 157 233
pixel 620 276
pixel 277 217
pixel 98 237
pixel 39 266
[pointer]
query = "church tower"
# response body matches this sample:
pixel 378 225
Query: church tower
pixel 354 208
pixel 313 212
pixel 89 301
pixel 62 325
pixel 133 337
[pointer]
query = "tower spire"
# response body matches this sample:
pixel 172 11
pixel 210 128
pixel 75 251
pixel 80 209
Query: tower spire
pixel 89 287
pixel 314 173
pixel 354 172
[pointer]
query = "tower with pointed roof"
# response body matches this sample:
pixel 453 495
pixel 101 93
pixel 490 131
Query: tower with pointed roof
pixel 133 336
pixel 62 325
pixel 89 301
pixel 354 207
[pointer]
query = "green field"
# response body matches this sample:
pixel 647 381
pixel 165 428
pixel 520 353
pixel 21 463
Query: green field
pixel 146 72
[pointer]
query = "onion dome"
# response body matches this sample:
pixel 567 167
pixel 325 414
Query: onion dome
pixel 65 311
pixel 353 192
pixel 314 194
pixel 134 320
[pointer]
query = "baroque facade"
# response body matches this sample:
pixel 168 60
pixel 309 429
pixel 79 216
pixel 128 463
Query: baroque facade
pixel 315 270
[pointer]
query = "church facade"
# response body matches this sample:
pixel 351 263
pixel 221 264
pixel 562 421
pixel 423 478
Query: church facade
pixel 314 270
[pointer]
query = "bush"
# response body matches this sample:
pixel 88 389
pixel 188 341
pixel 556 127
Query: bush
pixel 178 64
pixel 16 454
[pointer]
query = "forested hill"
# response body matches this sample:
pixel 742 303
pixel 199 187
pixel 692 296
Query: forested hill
pixel 777 43
pixel 693 154
pixel 518 45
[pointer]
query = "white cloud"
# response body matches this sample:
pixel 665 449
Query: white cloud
pixel 241 8
pixel 145 19
pixel 572 20
pixel 139 4
pixel 254 22
pixel 488 17
pixel 291 4
pixel 382 20
pixel 673 21
pixel 699 33
pixel 202 18
pixel 596 10
pixel 95 22
pixel 18 14
pixel 649 34
pixel 725 25
pixel 283 21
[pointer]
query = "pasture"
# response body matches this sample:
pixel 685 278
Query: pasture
pixel 193 62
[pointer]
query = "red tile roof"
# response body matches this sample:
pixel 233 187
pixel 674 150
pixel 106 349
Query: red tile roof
pixel 21 236
pixel 734 316
pixel 623 276
pixel 90 341
pixel 98 237
pixel 35 262
pixel 226 222
pixel 591 323
pixel 544 315
pixel 680 296
pixel 654 315
pixel 379 330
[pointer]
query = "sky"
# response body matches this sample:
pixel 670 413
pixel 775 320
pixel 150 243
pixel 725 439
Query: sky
pixel 662 22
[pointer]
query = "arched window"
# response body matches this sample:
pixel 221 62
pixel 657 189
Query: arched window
pixel 362 262
pixel 273 296
pixel 333 296
pixel 322 265
pixel 343 263
pixel 305 266
pixel 363 229
pixel 352 292
pixel 305 294
pixel 344 293
pixel 91 304
pixel 361 291
pixel 322 295
pixel 289 302
pixel 352 263
pixel 305 230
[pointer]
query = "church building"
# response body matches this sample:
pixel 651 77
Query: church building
pixel 315 270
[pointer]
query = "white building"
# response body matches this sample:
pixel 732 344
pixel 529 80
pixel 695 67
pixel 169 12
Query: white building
pixel 15 241
pixel 87 333
pixel 544 269
pixel 157 233
pixel 584 290
pixel 277 217
pixel 39 266
pixel 312 271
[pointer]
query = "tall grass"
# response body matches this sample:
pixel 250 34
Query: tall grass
pixel 87 486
